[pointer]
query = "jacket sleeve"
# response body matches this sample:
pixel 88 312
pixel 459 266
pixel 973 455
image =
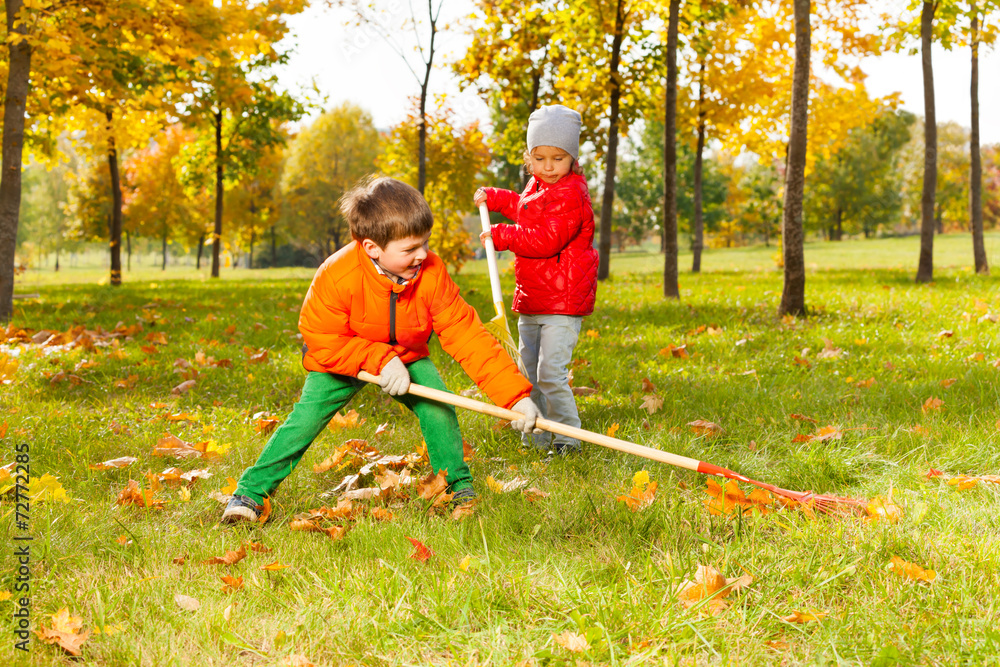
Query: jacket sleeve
pixel 463 336
pixel 503 202
pixel 560 222
pixel 325 326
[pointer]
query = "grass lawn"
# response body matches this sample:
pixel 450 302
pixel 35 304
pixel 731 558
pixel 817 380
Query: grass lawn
pixel 574 577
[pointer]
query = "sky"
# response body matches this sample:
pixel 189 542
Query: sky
pixel 348 63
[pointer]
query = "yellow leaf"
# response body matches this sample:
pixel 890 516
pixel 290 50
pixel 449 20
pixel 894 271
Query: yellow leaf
pixel 612 430
pixel 911 571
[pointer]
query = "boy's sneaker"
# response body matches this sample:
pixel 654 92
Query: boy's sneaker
pixel 240 508
pixel 463 496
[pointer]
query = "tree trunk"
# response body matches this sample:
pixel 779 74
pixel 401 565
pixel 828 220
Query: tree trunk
pixel 793 294
pixel 163 266
pixel 18 71
pixel 217 234
pixel 611 158
pixel 274 249
pixel 422 135
pixel 128 248
pixel 201 245
pixel 698 233
pixel 925 268
pixel 250 259
pixel 670 287
pixel 839 229
pixel 975 162
pixel 116 209
pixel 57 259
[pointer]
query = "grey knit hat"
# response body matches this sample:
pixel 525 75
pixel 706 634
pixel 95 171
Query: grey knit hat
pixel 557 126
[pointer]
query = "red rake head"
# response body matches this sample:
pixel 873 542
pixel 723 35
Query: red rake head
pixel 807 500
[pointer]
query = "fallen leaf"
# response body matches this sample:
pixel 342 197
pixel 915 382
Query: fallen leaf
pixel 651 403
pixel 350 420
pixel 932 473
pixel 183 387
pixel 264 511
pixel 187 603
pixel 948 382
pixel 420 550
pixel 506 487
pixel 648 386
pixel 266 425
pixel 803 418
pixel 884 508
pixel 121 462
pixel 133 494
pixel 723 500
pixel 297 660
pixel 534 494
pixel 230 557
pixel 381 514
pixel 804 617
pixel 963 482
pixel 866 384
pixel 230 487
pixel 433 485
pixel 612 430
pixel 256 547
pixel 911 571
pixel 710 588
pixel 572 641
pixel 65 632
pixel 704 427
pixel 274 567
pixel 232 584
pixel 642 494
pixel 122 540
pixel 584 391
pixel 932 403
pixel 180 560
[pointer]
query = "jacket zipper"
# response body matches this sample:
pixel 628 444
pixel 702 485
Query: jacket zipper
pixel 392 318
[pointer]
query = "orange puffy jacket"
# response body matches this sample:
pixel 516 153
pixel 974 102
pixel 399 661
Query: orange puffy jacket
pixel 354 318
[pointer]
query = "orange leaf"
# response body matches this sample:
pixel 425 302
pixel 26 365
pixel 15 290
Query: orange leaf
pixel 803 418
pixel 828 433
pixel 230 557
pixel 232 584
pixel 265 511
pixel 963 482
pixel 948 382
pixel 433 486
pixel 258 548
pixel 704 427
pixel 932 403
pixel 885 509
pixel 648 386
pixel 572 641
pixel 274 567
pixel 710 588
pixel 932 473
pixel 65 632
pixel 121 462
pixel 420 550
pixel 612 430
pixel 350 420
pixel 804 617
pixel 911 570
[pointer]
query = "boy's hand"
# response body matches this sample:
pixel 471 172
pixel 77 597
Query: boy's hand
pixel 479 197
pixel 483 236
pixel 530 411
pixel 394 378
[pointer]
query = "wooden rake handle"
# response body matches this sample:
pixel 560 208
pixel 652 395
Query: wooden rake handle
pixel 554 427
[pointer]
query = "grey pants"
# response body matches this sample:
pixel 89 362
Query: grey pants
pixel 546 347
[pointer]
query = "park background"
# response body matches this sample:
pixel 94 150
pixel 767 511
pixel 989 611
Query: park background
pixel 810 309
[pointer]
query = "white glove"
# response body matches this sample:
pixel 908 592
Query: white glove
pixel 530 411
pixel 394 378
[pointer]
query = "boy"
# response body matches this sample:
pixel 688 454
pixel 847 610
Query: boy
pixel 372 306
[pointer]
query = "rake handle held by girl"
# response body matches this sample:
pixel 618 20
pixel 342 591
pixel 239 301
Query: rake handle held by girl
pixel 491 259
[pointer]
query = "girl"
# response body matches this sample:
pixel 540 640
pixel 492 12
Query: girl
pixel 555 262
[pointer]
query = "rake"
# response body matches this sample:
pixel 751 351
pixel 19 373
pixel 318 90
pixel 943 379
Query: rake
pixel 824 503
pixel 498 326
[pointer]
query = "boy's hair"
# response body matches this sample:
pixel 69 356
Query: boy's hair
pixel 575 169
pixel 383 209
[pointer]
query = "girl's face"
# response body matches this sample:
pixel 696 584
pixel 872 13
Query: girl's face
pixel 549 163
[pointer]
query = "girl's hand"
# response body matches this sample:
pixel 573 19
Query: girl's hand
pixel 484 236
pixel 479 197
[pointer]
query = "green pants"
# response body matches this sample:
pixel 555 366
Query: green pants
pixel 322 396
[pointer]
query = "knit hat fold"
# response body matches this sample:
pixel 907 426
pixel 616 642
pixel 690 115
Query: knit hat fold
pixel 557 126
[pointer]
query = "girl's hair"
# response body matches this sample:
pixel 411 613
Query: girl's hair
pixel 575 169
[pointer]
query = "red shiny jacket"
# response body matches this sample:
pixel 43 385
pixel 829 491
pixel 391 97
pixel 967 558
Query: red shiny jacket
pixel 553 241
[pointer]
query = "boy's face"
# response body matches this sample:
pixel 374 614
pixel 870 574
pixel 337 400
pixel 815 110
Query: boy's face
pixel 401 257
pixel 550 163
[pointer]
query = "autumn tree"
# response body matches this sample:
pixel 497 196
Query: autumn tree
pixel 671 289
pixel 323 162
pixel 982 31
pixel 253 206
pixel 515 54
pixel 156 201
pixel 238 100
pixel 412 35
pixel 794 288
pixel 457 160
